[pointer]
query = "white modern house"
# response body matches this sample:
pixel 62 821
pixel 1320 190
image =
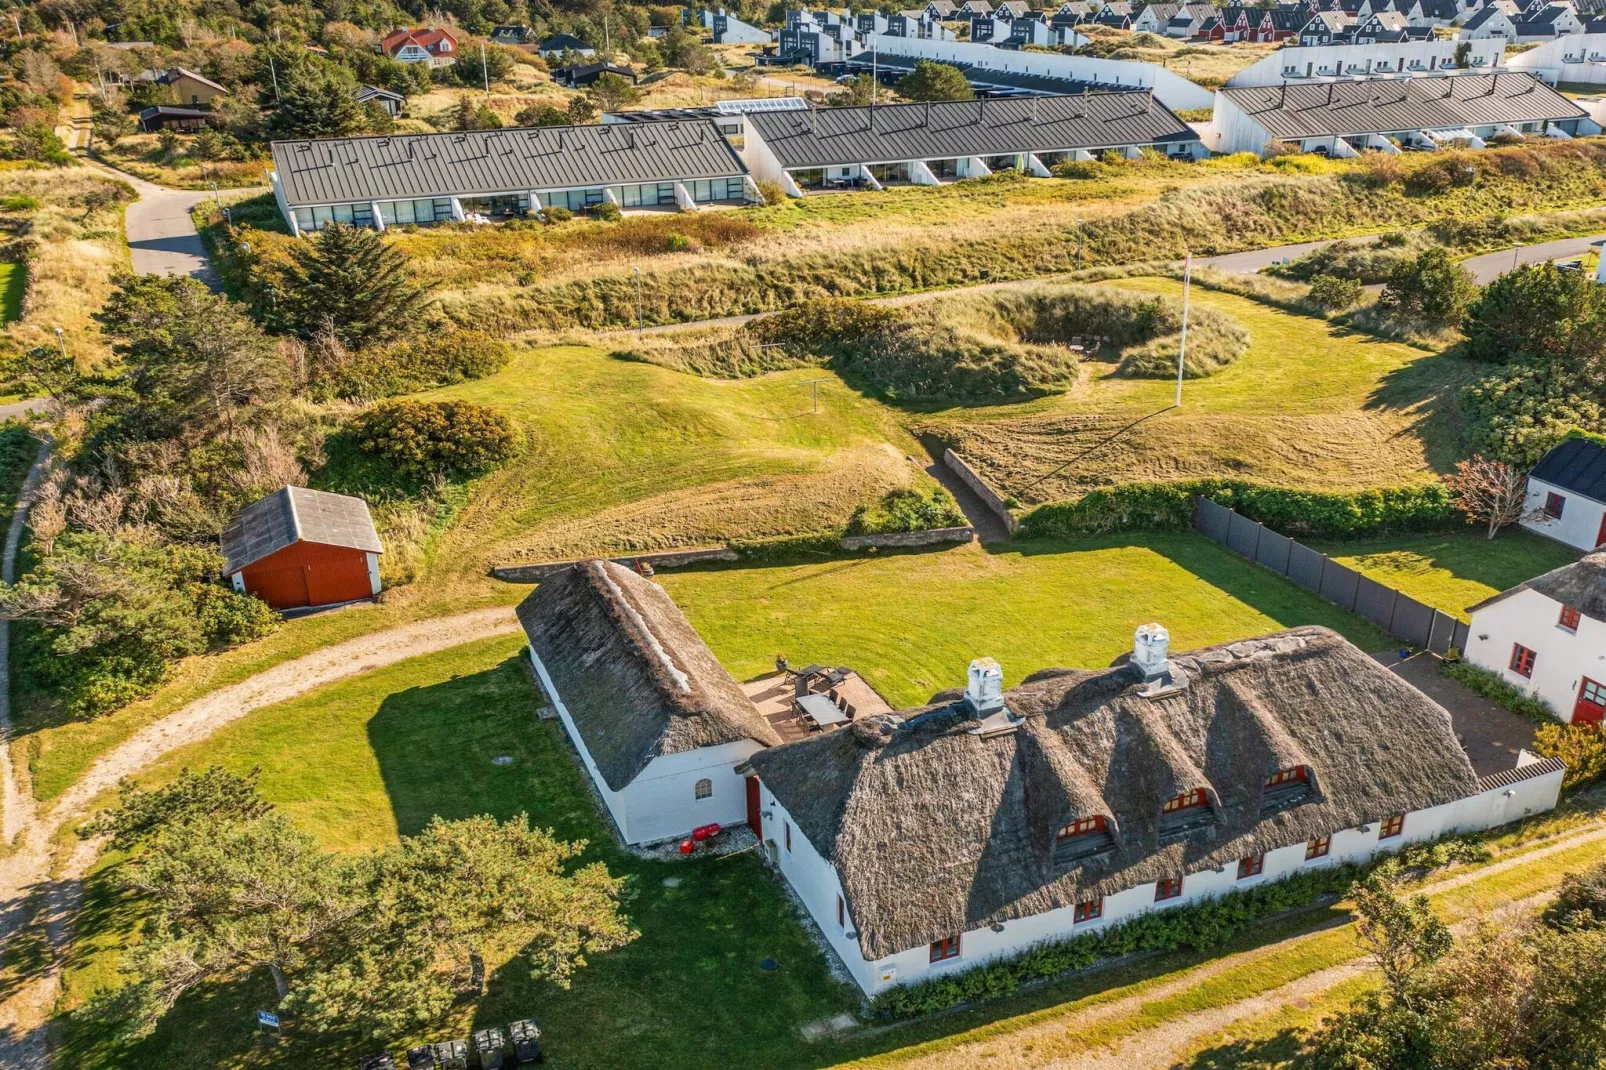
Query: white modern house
pixel 1344 118
pixel 1399 59
pixel 730 30
pixel 484 175
pixel 1567 494
pixel 931 143
pixel 1577 59
pixel 972 829
pixel 1547 638
pixel 1491 22
pixel 979 60
pixel 659 724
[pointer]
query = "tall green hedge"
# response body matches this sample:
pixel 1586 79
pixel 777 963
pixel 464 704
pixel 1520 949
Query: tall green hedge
pixel 1296 513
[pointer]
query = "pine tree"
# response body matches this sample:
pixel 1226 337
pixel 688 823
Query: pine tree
pixel 935 81
pixel 317 100
pixel 348 281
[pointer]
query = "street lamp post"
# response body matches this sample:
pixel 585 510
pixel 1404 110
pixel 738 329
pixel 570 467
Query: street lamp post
pixel 638 301
pixel 1182 346
pixel 61 340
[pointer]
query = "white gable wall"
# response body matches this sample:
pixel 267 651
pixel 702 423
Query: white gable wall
pixel 661 803
pixel 816 883
pixel 1343 59
pixel 1561 658
pixel 1580 523
pixel 1578 58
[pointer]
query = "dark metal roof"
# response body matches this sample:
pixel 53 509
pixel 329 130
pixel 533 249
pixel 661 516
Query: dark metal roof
pixel 296 514
pixel 1578 465
pixel 1507 777
pixel 1380 105
pixel 345 170
pixel 967 128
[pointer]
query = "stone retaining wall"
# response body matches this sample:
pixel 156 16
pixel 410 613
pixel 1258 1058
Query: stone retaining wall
pixel 909 538
pixel 989 497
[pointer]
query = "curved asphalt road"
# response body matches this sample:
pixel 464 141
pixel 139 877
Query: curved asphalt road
pixel 162 239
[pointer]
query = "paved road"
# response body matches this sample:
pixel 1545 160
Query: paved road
pixel 161 236
pixel 1247 263
pixel 1487 267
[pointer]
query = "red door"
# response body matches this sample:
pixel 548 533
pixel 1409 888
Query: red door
pixel 1591 707
pixel 1600 539
pixel 755 817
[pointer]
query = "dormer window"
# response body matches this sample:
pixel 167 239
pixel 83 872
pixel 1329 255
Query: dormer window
pixel 1081 840
pixel 1185 813
pixel 1285 788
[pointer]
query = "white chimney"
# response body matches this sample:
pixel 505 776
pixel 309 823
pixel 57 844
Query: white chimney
pixel 985 686
pixel 1151 645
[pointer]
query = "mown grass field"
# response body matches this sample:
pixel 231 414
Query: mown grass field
pixel 418 738
pixel 1454 571
pixel 13 284
pixel 1311 404
pixel 910 623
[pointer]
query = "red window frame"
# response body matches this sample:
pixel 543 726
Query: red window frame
pixel 1089 910
pixel 841 913
pixel 1186 801
pixel 1569 618
pixel 1318 847
pixel 1554 505
pixel 1391 827
pixel 1078 828
pixel 1251 866
pixel 1522 660
pixel 1169 888
pixel 945 949
pixel 1288 776
pixel 788 826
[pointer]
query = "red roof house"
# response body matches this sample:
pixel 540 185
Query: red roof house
pixel 299 547
pixel 431 45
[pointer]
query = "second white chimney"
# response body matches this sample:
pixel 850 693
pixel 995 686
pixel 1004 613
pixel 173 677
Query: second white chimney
pixel 984 686
pixel 1151 646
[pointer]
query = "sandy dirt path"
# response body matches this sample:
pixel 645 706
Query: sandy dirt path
pixel 26 873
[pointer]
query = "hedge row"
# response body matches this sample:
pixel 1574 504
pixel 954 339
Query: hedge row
pixel 1207 924
pixel 1296 513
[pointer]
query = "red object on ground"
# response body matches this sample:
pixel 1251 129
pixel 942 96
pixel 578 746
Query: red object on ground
pixel 687 846
pixel 706 832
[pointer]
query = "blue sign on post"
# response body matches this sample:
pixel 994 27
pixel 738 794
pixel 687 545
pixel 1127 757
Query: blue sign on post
pixel 267 1019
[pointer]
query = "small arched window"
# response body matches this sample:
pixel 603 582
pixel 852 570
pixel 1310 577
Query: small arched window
pixel 704 789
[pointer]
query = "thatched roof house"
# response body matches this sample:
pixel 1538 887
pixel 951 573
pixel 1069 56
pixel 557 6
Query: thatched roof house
pixel 636 680
pixel 942 821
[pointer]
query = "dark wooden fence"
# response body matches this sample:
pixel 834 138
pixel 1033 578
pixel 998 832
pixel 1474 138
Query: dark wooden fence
pixel 1395 612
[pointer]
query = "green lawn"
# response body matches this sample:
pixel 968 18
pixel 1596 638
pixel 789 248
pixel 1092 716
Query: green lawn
pixel 360 761
pixel 13 284
pixel 1452 572
pixel 1311 404
pixel 911 622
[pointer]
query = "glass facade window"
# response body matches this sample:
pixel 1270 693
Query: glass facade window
pixel 648 194
pixel 401 213
pixel 704 190
pixel 575 200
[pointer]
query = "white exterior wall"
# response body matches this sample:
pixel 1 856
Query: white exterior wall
pixel 1484 55
pixel 1561 658
pixel 1232 129
pixel 1580 518
pixel 660 803
pixel 1172 90
pixel 1578 58
pixel 815 881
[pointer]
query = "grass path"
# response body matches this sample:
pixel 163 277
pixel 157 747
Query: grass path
pixel 1148 1023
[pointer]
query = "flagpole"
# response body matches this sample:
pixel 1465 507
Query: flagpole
pixel 1182 347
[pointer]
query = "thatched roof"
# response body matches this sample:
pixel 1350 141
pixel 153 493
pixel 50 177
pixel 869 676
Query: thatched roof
pixel 936 829
pixel 1581 585
pixel 637 680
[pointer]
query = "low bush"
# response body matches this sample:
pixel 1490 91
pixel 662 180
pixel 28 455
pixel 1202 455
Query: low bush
pixel 1333 294
pixel 427 359
pixel 1366 263
pixel 607 212
pixel 1581 746
pixel 426 440
pixel 907 509
pixel 1295 513
pixel 1207 924
pixel 557 214
pixel 1581 899
pixel 715 352
pixel 1485 684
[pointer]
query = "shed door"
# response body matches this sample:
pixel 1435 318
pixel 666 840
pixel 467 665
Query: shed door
pixel 1591 707
pixel 755 816
pixel 281 588
pixel 343 578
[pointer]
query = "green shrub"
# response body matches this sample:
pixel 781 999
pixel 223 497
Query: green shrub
pixel 1364 262
pixel 1431 289
pixel 677 243
pixel 557 214
pixel 1581 746
pixel 907 509
pixel 1441 175
pixel 1079 169
pixel 423 440
pixel 20 202
pixel 229 617
pixel 427 359
pixel 715 352
pixel 1202 925
pixel 1517 413
pixel 1333 294
pixel 1295 513
pixel 1581 899
pixel 1489 685
pixel 607 211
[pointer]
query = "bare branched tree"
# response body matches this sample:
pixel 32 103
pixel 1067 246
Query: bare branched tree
pixel 1490 492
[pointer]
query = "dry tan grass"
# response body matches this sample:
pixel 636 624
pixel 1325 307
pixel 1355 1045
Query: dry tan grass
pixel 72 257
pixel 141 154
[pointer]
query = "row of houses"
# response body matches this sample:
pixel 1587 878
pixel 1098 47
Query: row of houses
pixel 930 840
